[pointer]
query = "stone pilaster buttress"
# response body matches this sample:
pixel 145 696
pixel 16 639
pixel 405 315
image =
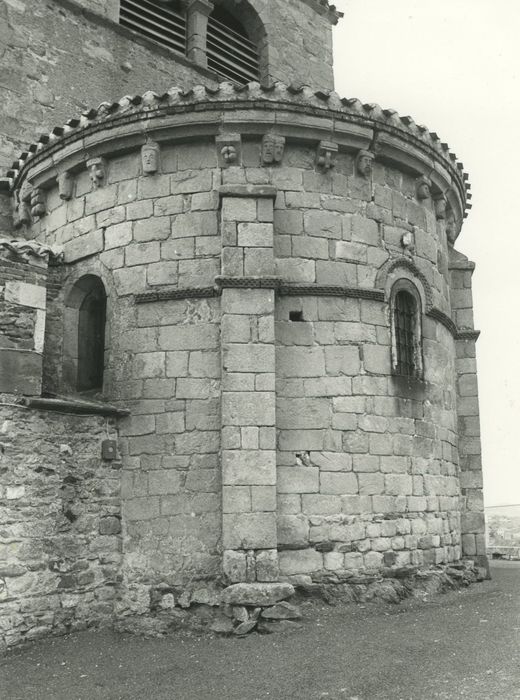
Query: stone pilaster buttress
pixel 248 385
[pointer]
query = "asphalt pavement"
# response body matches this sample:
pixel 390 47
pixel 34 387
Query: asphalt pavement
pixel 458 645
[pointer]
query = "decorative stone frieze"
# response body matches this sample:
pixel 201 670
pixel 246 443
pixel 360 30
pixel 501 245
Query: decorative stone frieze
pixel 150 157
pixel 273 146
pixel 326 155
pixel 97 168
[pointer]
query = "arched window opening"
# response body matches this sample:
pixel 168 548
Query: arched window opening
pixel 230 52
pixel 84 336
pixel 406 333
pixel 91 340
pixel 157 20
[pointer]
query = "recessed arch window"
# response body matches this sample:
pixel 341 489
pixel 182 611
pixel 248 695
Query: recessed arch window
pixel 406 327
pixel 163 22
pixel 84 335
pixel 230 51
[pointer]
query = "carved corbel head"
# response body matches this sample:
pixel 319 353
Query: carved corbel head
pixel 326 155
pixel 150 157
pixel 440 207
pixel 422 188
pixel 22 205
pixel 229 149
pixel 97 168
pixel 364 163
pixel 65 186
pixel 38 208
pixel 273 146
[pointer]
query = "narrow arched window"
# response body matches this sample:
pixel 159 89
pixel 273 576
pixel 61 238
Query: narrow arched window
pixel 162 22
pixel 84 335
pixel 230 51
pixel 406 332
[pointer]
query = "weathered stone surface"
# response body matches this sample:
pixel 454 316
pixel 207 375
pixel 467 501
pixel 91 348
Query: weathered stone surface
pixel 281 611
pixel 258 594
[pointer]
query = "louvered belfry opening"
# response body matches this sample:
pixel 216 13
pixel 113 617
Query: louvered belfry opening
pixel 230 52
pixel 405 319
pixel 164 23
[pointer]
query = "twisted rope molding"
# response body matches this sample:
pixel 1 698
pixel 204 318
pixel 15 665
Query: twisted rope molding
pixel 292 290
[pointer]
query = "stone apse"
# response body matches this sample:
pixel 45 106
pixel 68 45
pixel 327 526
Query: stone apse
pixel 237 355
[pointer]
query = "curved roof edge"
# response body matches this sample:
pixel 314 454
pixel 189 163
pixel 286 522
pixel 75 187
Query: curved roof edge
pixel 302 95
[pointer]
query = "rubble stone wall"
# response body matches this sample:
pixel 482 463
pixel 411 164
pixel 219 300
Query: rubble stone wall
pixel 60 525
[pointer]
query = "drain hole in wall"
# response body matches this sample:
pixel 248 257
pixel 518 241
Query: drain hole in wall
pixel 295 315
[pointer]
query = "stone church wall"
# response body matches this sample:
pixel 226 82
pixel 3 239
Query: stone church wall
pixel 60 526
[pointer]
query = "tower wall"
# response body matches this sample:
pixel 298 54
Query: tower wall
pixel 80 56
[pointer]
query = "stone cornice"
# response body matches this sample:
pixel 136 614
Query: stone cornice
pixel 400 137
pixel 22 249
pixel 324 7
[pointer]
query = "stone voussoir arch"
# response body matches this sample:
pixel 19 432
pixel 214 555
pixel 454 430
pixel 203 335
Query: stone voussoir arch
pixel 385 283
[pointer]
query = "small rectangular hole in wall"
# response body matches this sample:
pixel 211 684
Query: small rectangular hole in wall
pixel 295 315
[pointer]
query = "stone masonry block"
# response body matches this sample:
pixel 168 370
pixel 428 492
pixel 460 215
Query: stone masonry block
pixel 376 359
pixel 371 484
pixel 248 358
pixel 248 408
pixel 300 362
pixel 236 499
pixel 298 480
pixel 341 359
pixel 254 302
pixel 83 246
pixel 249 531
pixel 258 262
pixel 338 483
pixel 234 566
pixel 25 294
pixel 319 504
pixel 248 467
pixel 252 235
pixel 293 530
pixel 296 270
pixel 154 229
pixel 302 413
pixel 238 209
pixel 142 253
pixel 263 498
pixel 304 561
pixel 267 565
pixel 332 461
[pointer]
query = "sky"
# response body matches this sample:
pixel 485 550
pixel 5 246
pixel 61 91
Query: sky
pixel 454 65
